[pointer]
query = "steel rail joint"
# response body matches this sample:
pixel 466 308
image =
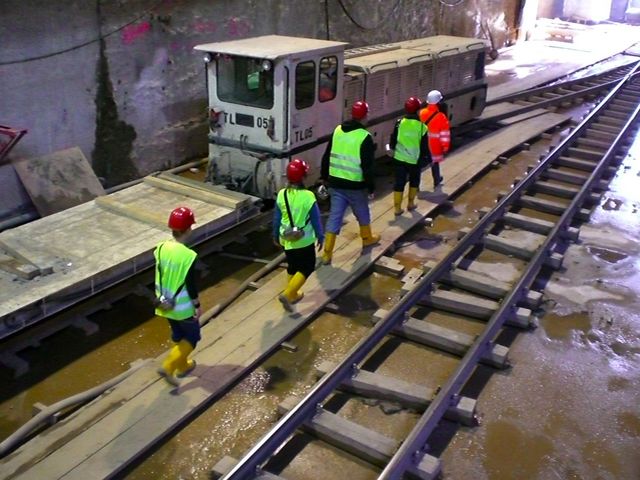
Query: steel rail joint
pixel 404 458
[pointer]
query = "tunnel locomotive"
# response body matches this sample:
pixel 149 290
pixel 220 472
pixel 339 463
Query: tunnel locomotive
pixel 273 98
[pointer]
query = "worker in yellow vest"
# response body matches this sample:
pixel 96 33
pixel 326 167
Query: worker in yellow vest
pixel 410 146
pixel 177 295
pixel 297 227
pixel 347 169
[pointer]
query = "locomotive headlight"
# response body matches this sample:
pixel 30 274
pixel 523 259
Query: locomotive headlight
pixel 266 65
pixel 208 58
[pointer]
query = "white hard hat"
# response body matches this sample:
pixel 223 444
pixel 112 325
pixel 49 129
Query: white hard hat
pixel 434 97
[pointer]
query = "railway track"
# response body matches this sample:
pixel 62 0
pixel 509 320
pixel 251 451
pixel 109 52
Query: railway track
pixel 549 96
pixel 544 207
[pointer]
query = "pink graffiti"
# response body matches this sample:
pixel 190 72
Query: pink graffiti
pixel 237 27
pixel 208 26
pixel 131 33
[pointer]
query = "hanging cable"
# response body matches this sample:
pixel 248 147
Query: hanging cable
pixel 84 44
pixel 359 25
pixel 451 3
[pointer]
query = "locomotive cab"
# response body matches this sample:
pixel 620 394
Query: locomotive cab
pixel 270 98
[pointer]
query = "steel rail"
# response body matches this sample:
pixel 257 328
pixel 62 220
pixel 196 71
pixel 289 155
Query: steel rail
pixel 413 448
pixel 569 83
pixel 250 464
pixel 535 106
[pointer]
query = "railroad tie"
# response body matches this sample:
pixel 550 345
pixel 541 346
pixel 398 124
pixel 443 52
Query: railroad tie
pixel 509 246
pixel 445 339
pixel 482 285
pixel 472 306
pixel 531 224
pixel 360 441
pixel 408 395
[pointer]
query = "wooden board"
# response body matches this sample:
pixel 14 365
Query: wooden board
pixel 105 243
pixel 111 433
pixel 58 181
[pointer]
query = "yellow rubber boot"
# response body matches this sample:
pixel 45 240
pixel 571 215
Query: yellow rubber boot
pixel 184 365
pixel 329 243
pixel 292 294
pixel 169 366
pixel 397 203
pixel 413 193
pixel 368 238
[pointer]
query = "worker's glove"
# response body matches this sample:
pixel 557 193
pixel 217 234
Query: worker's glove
pixel 320 244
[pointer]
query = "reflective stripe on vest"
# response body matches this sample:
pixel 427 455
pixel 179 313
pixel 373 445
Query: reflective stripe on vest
pixel 175 261
pixel 410 133
pixel 301 202
pixel 344 159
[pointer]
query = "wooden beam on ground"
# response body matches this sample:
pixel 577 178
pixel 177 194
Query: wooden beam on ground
pixel 445 339
pixel 408 395
pixel 483 285
pixel 241 198
pixel 135 213
pixel 191 192
pixel 360 441
pixel 389 266
pixel 471 306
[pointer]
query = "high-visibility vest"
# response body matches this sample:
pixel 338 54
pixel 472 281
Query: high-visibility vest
pixel 410 133
pixel 301 202
pixel 173 261
pixel 439 132
pixel 344 159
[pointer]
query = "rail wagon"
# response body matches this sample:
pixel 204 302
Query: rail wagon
pixel 272 98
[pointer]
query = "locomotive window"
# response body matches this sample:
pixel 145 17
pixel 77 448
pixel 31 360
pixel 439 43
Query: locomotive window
pixel 305 84
pixel 244 81
pixel 328 84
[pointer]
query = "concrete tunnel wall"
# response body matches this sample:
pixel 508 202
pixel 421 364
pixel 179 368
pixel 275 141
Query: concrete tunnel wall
pixel 134 101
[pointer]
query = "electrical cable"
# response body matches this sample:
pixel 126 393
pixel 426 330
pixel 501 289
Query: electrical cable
pixel 454 3
pixel 84 44
pixel 357 24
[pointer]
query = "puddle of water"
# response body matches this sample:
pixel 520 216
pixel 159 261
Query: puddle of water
pixel 559 327
pixel 609 256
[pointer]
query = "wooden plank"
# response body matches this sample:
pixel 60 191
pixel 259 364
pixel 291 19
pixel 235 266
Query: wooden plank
pixel 239 338
pixel 408 395
pixel 351 437
pixel 189 191
pixel 59 180
pixel 445 339
pixel 25 271
pixel 225 465
pixel 146 216
pixel 471 306
pixel 482 285
pixel 240 198
pixel 389 266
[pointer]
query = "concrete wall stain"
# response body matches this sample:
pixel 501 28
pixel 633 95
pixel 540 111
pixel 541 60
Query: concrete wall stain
pixel 133 32
pixel 114 138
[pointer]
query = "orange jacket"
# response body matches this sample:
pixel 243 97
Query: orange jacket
pixel 439 132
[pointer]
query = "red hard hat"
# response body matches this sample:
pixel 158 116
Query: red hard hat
pixel 412 105
pixel 181 219
pixel 296 170
pixel 359 110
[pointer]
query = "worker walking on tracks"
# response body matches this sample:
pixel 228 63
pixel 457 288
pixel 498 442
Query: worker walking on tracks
pixel 410 145
pixel 347 168
pixel 177 295
pixel 439 133
pixel 297 227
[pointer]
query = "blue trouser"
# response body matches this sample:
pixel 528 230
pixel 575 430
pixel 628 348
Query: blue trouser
pixel 341 199
pixel 188 329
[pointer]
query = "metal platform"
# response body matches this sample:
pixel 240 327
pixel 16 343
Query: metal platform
pixel 57 261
